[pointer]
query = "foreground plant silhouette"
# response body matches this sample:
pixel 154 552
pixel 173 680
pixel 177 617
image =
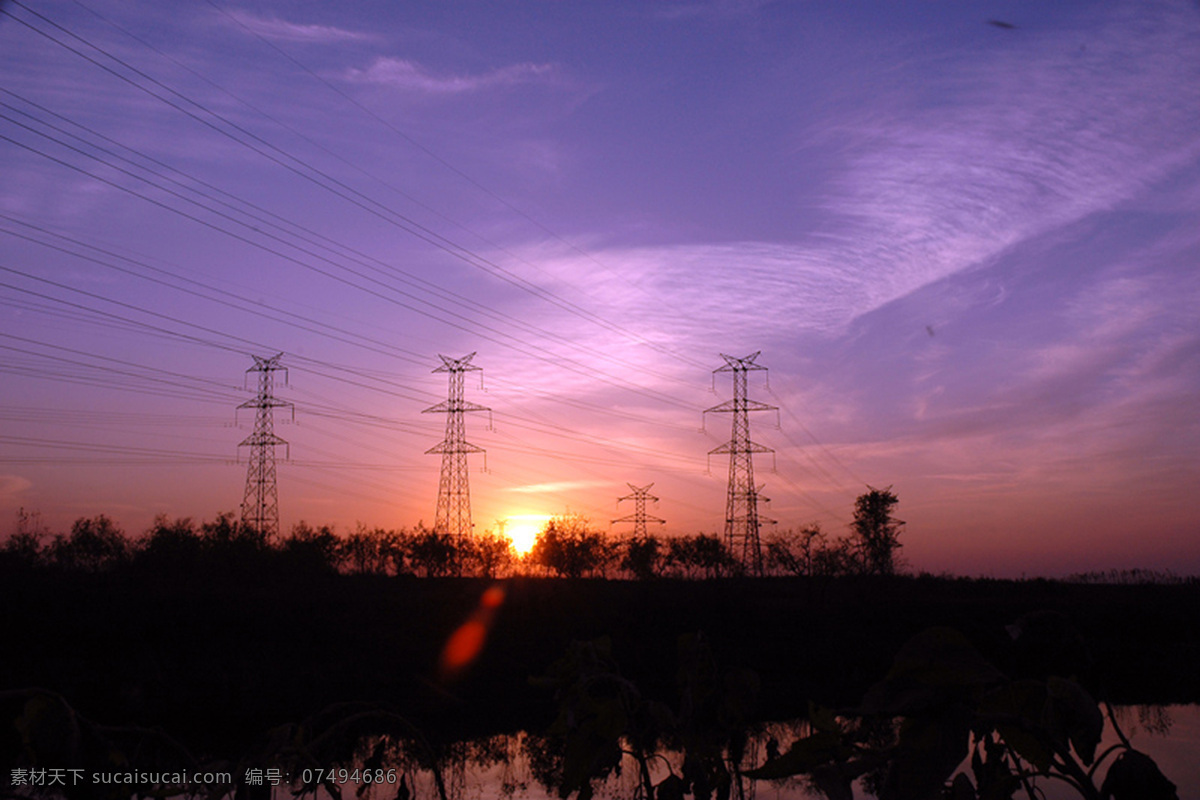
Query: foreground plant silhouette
pixel 943 702
pixel 604 717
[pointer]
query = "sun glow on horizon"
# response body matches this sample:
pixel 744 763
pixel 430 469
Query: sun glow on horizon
pixel 524 529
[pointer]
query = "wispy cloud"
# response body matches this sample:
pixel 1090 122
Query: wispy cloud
pixel 411 76
pixel 282 30
pixel 1032 139
pixel 556 486
pixel 11 486
pixel 1027 140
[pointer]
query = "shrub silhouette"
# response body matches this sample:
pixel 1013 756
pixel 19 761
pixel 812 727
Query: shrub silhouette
pixel 703 555
pixel 642 557
pixel 809 552
pixel 431 553
pixel 876 532
pixel 24 547
pixel 93 544
pixel 569 548
pixel 488 555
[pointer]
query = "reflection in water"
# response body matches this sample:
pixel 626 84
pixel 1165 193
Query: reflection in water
pixel 525 766
pixel 942 718
pixel 1156 720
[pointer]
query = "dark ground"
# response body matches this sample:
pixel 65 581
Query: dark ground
pixel 216 659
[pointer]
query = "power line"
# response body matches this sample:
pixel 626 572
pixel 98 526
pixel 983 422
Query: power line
pixel 203 222
pixel 491 334
pixel 431 154
pixel 371 175
pixel 829 453
pixel 312 362
pixel 202 385
pixel 515 420
pixel 324 180
pixel 292 229
pixel 291 319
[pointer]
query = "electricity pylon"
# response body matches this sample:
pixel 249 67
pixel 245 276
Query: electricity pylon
pixel 639 518
pixel 260 503
pixel 742 520
pixel 454 496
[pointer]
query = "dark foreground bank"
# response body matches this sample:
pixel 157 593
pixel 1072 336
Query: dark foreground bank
pixel 217 660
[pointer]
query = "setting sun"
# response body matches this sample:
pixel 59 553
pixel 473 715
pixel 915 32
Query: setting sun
pixel 523 530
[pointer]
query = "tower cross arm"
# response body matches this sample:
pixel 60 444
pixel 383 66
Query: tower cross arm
pixel 748 447
pixel 454 447
pixel 763 520
pixel 739 405
pixel 266 364
pixel 636 518
pixel 266 402
pixel 262 439
pixel 732 363
pixel 638 491
pixel 450 406
pixel 457 364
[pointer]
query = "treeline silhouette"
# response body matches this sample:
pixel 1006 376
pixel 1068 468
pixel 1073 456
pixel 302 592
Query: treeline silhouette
pixel 568 547
pixel 1134 576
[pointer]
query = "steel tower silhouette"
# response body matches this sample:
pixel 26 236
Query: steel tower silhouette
pixel 454 496
pixel 742 519
pixel 639 518
pixel 260 503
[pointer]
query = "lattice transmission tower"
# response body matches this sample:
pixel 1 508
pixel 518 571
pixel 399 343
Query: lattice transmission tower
pixel 260 503
pixel 639 517
pixel 742 520
pixel 454 495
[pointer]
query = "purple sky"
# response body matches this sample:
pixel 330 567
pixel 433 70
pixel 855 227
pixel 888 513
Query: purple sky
pixel 967 252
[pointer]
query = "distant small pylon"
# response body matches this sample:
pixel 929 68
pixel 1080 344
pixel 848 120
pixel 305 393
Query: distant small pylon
pixel 260 502
pixel 742 520
pixel 454 496
pixel 639 518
